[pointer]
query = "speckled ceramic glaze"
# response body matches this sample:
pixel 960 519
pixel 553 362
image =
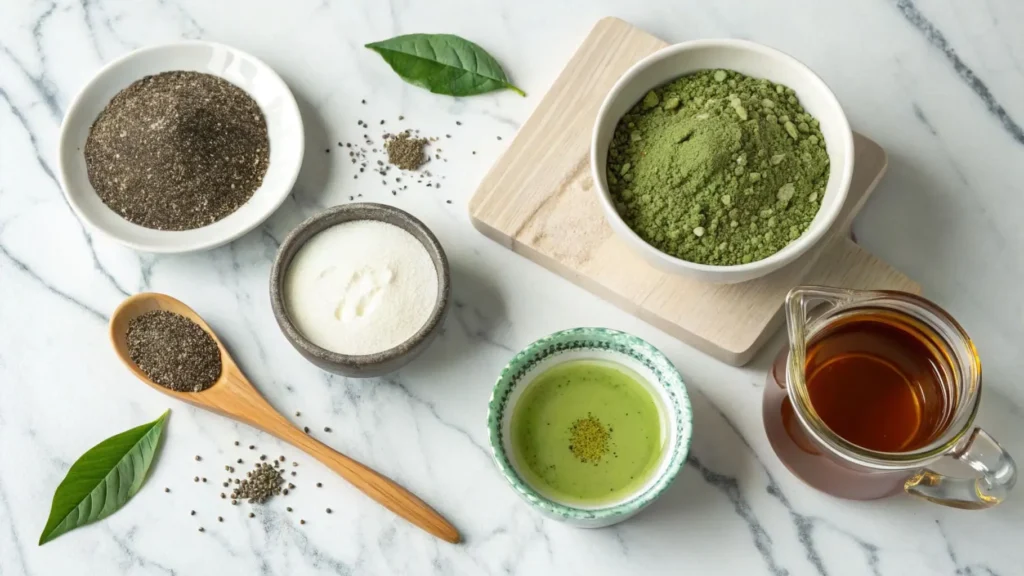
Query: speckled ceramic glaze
pixel 367 365
pixel 595 344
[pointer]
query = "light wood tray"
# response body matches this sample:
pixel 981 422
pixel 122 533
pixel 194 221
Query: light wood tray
pixel 538 200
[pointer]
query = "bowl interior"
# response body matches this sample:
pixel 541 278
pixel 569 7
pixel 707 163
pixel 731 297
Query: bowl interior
pixel 284 126
pixel 595 344
pixel 756 61
pixel 321 221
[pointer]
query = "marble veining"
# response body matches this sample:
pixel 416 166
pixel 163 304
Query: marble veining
pixel 936 83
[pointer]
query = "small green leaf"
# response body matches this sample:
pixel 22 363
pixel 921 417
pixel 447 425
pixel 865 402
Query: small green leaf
pixel 103 479
pixel 443 64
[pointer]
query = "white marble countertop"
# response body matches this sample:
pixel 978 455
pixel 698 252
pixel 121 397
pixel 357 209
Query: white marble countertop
pixel 937 83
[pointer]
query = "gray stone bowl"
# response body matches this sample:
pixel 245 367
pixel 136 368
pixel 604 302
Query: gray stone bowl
pixel 378 363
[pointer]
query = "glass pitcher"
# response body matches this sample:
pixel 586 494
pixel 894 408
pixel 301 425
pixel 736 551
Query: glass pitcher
pixel 828 462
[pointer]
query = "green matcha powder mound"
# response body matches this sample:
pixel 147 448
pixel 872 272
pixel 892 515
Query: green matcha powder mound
pixel 718 168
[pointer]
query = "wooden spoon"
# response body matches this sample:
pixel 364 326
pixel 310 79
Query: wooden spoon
pixel 234 396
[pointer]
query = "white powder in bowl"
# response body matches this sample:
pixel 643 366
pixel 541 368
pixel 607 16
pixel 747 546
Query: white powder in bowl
pixel 360 287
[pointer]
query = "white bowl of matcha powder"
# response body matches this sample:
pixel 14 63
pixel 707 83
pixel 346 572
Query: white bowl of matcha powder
pixel 721 160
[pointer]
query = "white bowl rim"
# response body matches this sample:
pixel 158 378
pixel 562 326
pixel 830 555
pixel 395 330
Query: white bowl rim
pixel 790 251
pixel 200 245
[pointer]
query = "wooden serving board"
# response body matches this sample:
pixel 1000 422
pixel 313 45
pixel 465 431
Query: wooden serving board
pixel 538 200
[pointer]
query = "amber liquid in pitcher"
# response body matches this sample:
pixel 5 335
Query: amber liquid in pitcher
pixel 876 378
pixel 877 382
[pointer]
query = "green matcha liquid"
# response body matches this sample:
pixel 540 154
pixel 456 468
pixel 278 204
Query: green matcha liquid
pixel 587 432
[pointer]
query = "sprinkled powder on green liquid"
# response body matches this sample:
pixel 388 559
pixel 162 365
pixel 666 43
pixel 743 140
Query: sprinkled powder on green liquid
pixel 718 168
pixel 588 439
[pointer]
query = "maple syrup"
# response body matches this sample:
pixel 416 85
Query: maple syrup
pixel 876 380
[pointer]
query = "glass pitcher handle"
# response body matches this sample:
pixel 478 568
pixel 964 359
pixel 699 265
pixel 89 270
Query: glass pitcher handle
pixel 996 476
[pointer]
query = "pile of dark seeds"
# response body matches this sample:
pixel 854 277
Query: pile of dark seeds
pixel 406 152
pixel 173 351
pixel 178 150
pixel 266 480
pixel 263 482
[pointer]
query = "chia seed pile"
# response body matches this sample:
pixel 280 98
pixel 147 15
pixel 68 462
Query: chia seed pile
pixel 405 151
pixel 173 351
pixel 178 150
pixel 263 482
pixel 268 478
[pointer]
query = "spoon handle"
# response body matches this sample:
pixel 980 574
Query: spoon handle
pixel 242 402
pixel 373 484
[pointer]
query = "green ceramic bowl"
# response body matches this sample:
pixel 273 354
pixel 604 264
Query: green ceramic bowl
pixel 592 344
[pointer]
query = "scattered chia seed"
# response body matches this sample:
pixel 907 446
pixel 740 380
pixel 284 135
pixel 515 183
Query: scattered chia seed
pixel 326 429
pixel 302 521
pixel 328 510
pixel 160 342
pixel 305 429
pixel 319 485
pixel 252 514
pixel 198 458
pixel 178 150
pixel 220 518
pixel 167 489
pixel 201 529
pixel 193 513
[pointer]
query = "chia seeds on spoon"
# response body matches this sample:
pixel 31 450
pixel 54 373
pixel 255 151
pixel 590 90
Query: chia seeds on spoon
pixel 173 351
pixel 178 150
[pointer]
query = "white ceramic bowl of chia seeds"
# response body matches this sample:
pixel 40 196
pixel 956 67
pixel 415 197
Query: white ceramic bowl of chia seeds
pixel 263 85
pixel 753 60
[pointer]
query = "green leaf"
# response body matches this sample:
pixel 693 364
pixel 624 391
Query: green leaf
pixel 444 64
pixel 103 479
